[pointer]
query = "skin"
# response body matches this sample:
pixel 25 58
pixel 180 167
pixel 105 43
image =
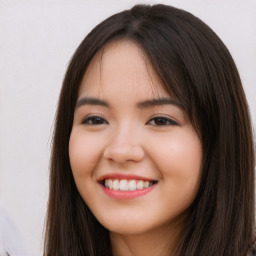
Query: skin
pixel 153 141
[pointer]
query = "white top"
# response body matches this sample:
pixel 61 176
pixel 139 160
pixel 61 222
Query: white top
pixel 11 241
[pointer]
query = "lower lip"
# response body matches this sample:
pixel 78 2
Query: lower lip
pixel 119 194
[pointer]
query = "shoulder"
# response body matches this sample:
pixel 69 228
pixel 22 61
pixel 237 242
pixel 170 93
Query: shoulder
pixel 11 239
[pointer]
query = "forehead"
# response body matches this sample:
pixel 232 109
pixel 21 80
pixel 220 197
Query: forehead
pixel 121 67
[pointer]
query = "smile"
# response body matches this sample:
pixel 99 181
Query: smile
pixel 122 187
pixel 126 185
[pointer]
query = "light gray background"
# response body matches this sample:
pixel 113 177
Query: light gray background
pixel 37 39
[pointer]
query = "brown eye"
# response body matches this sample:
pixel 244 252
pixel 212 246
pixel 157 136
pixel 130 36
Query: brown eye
pixel 94 120
pixel 161 121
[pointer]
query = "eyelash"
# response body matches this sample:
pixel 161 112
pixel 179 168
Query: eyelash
pixel 99 120
pixel 164 121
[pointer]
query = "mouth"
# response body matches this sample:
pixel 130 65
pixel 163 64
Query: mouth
pixel 121 187
pixel 126 184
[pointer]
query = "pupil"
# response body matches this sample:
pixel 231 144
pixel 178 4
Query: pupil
pixel 160 121
pixel 97 120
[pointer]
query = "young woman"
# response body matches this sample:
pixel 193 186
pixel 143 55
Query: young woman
pixel 153 151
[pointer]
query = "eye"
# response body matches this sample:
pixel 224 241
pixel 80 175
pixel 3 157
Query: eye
pixel 161 121
pixel 94 120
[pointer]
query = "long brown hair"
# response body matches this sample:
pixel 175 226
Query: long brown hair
pixel 196 67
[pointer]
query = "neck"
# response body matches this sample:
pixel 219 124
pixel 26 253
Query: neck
pixel 152 243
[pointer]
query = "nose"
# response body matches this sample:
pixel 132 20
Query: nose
pixel 124 147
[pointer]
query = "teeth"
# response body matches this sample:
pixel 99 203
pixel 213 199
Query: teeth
pixel 140 184
pixel 127 185
pixel 145 184
pixel 116 184
pixel 110 184
pixel 132 185
pixel 106 183
pixel 123 185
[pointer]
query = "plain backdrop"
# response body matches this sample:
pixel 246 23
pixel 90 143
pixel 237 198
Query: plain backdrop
pixel 37 39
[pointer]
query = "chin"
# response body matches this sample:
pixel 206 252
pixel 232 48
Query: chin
pixel 128 229
pixel 130 226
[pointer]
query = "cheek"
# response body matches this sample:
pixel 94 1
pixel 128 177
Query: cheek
pixel 179 158
pixel 84 152
pixel 187 154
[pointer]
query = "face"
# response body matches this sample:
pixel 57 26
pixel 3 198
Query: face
pixel 135 157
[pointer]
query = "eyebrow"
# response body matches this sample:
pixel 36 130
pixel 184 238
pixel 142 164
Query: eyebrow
pixel 141 105
pixel 159 102
pixel 91 101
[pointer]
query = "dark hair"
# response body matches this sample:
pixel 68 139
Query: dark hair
pixel 196 68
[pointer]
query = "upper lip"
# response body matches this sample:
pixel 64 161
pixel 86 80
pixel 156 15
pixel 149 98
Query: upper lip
pixel 121 176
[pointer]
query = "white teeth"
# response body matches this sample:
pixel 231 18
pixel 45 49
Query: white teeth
pixel 132 185
pixel 145 184
pixel 126 185
pixel 110 184
pixel 123 185
pixel 116 184
pixel 140 184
